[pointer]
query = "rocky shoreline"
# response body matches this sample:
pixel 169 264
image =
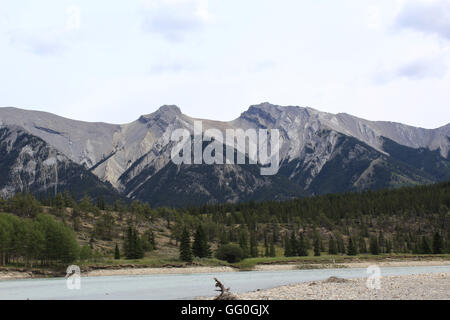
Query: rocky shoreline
pixel 131 269
pixel 432 286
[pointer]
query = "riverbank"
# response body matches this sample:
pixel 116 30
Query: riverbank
pixel 433 286
pixel 124 270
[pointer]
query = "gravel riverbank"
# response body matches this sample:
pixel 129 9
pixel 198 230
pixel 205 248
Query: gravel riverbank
pixel 11 274
pixel 433 286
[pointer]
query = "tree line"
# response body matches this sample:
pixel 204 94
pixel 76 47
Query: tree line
pixel 42 240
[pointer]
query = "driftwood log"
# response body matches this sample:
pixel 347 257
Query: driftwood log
pixel 225 293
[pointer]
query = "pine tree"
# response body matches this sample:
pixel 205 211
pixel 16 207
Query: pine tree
pixel 425 246
pixel 302 248
pixel 152 239
pixel 293 244
pixel 351 248
pixel 388 246
pixel 438 244
pixel 116 253
pixel 381 242
pixel 340 244
pixel 185 246
pixel 243 243
pixel 128 248
pixel 201 247
pixel 266 245
pixel 332 247
pixel 362 245
pixel 374 247
pixel 287 247
pixel 253 245
pixel 132 246
pixel 272 252
pixel 317 246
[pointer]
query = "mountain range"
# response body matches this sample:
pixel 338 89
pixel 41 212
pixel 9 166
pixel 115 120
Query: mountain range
pixel 319 153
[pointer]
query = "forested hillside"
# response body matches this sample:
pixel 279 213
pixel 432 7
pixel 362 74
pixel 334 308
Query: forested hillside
pixel 410 220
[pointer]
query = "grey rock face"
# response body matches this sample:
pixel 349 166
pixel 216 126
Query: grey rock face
pixel 129 155
pixel 29 164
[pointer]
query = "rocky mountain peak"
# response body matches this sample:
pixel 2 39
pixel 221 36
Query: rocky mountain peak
pixel 172 109
pixel 166 112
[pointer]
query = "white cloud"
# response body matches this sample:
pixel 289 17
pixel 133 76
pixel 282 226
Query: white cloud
pixel 418 69
pixel 173 19
pixel 48 41
pixel 430 16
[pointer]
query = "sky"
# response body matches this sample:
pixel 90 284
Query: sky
pixel 113 61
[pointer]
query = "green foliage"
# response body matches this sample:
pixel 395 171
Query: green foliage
pixel 253 245
pixel 317 246
pixel 85 253
pixel 302 246
pixel 104 227
pixel 332 246
pixel 374 246
pixel 132 247
pixel 185 246
pixel 229 252
pixel 201 247
pixel 116 252
pixel 243 242
pixel 438 244
pixel 351 248
pixel 425 246
pixel 42 239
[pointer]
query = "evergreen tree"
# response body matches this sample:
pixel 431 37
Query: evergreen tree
pixel 293 244
pixel 351 248
pixel 272 252
pixel 381 242
pixel 362 245
pixel 266 245
pixel 340 244
pixel 133 247
pixel 116 253
pixel 152 239
pixel 302 246
pixel 243 242
pixel 201 247
pixel 438 244
pixel 388 246
pixel 332 246
pixel 287 247
pixel 185 246
pixel 373 246
pixel 425 246
pixel 317 246
pixel 253 245
pixel 100 203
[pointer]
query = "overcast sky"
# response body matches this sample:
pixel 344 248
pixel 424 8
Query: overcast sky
pixel 113 61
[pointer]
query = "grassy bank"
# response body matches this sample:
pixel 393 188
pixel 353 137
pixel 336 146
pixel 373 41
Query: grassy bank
pixel 251 263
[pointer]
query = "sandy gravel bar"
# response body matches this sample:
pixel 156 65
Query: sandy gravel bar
pixel 409 263
pixel 12 275
pixel 150 271
pixel 432 286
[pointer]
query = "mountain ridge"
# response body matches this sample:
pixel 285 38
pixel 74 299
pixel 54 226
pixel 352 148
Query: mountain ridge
pixel 122 154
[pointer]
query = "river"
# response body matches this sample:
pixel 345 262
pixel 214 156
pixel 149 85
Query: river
pixel 180 286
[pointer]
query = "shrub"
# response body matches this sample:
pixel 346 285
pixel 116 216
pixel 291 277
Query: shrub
pixel 230 253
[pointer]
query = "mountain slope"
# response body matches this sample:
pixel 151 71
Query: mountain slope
pixel 29 164
pixel 319 153
pixel 185 185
